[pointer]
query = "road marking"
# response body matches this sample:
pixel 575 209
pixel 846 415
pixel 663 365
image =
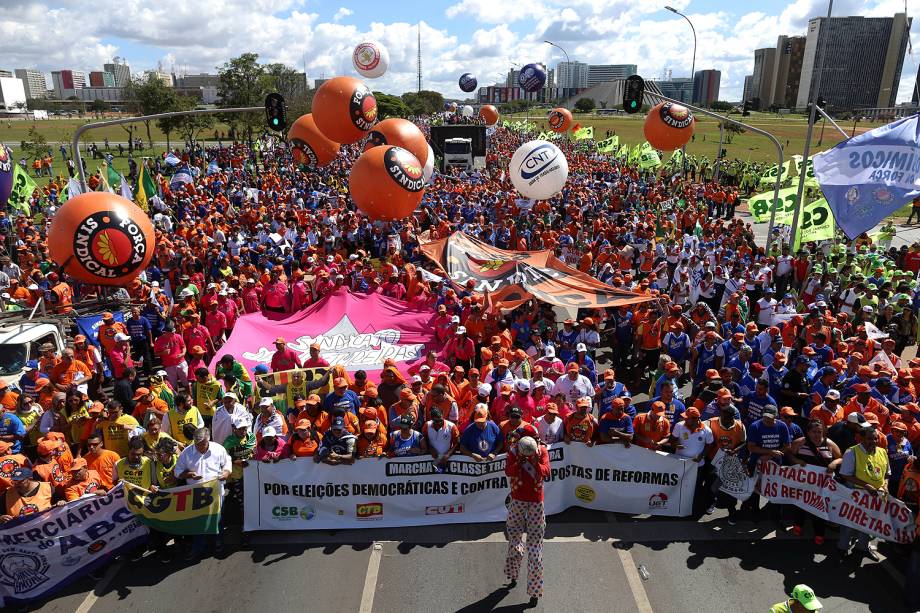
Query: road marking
pixel 370 579
pixel 100 588
pixel 635 581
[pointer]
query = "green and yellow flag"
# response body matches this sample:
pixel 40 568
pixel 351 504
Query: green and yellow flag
pixel 584 133
pixel 145 189
pixel 648 156
pixel 186 510
pixel 608 145
pixel 816 223
pixel 770 175
pixel 760 206
pixel 23 186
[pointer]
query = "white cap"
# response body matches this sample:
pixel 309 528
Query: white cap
pixel 536 384
pixel 455 319
pixel 154 284
pixel 581 347
pixel 461 330
pixel 239 421
pixel 484 389
pixel 353 256
pixel 222 292
pixel 416 379
pixel 33 287
pixel 269 431
pixel 210 285
pixel 231 395
pixel 186 292
pixel 330 259
pixel 550 352
pixel 5 296
pixel 122 337
pixel 230 290
pixel 424 367
pixel 266 402
pixel 522 385
pixel 161 373
pixel 482 405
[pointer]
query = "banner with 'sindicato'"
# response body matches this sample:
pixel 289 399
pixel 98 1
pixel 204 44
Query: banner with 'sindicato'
pixel 42 553
pixel 303 495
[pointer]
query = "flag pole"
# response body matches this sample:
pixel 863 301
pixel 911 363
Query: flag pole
pixel 812 97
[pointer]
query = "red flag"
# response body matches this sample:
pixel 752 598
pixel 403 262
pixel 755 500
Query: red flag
pixel 576 127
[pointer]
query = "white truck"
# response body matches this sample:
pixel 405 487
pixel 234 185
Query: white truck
pixel 20 339
pixel 458 152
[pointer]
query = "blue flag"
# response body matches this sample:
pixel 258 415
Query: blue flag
pixel 183 175
pixel 867 178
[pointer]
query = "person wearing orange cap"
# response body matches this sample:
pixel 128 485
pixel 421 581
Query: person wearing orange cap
pixel 285 358
pixel 305 440
pixel 615 425
pixel 83 482
pixel 581 425
pixel 863 403
pixel 373 440
pixel 482 439
pixel 10 461
pixel 107 331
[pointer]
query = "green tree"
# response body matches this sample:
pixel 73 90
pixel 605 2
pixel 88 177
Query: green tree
pixel 732 130
pixel 243 83
pixel 391 106
pixel 36 146
pixel 585 105
pixel 168 125
pixel 191 126
pixel 517 106
pixel 424 102
pixel 149 96
pixel 721 105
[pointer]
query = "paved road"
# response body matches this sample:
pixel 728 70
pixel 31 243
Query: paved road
pixel 591 559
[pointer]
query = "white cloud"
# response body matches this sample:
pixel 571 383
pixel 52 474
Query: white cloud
pixel 341 14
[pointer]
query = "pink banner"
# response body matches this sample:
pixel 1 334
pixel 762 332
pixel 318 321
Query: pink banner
pixel 359 331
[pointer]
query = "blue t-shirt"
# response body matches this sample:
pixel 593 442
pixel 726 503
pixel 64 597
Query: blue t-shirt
pixel 484 441
pixel 672 410
pixel 138 328
pixel 754 404
pixel 768 437
pixel 350 401
pixel 609 422
pixel 897 457
pixel 11 424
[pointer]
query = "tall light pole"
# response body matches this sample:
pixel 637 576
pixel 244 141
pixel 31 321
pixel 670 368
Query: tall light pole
pixel 683 157
pixel 568 64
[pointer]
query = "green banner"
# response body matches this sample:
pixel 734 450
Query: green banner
pixel 648 156
pixel 759 206
pixel 608 145
pixel 770 175
pixel 810 178
pixel 23 186
pixel 816 223
pixel 584 133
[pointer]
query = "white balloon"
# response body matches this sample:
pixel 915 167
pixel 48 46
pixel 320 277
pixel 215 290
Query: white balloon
pixel 467 110
pixel 371 59
pixel 428 169
pixel 538 170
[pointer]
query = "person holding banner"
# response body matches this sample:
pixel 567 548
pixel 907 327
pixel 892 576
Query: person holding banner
pixel 527 465
pixel 864 466
pixel 813 449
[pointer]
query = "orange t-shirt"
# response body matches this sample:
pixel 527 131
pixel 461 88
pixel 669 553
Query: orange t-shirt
pixel 580 428
pixel 20 506
pixel 374 447
pixel 725 438
pixel 91 485
pixel 103 462
pixel 648 432
pixel 301 448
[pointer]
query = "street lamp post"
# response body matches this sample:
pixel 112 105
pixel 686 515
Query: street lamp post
pixel 567 62
pixel 683 157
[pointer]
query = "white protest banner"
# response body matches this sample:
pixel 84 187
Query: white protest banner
pixel 882 358
pixel 733 477
pixel 44 552
pixel 873 332
pixel 813 489
pixel 303 495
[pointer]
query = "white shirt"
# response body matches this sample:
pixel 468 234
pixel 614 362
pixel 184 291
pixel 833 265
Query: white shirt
pixel 439 439
pixel 209 465
pixel 222 424
pixel 693 442
pixel 549 432
pixel 573 390
pixel 765 315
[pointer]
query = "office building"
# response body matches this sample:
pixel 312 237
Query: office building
pixel 165 77
pixel 106 94
pixel 706 87
pixel 915 95
pixel 198 80
pixel 678 89
pixel 572 75
pixel 864 60
pixel 12 94
pixel 6 73
pixel 34 81
pixel 602 73
pixel 120 70
pixel 762 78
pixel 98 78
pixel 787 71
pixel 747 91
pixel 66 81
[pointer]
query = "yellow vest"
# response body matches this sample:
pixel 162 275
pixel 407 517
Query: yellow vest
pixel 141 476
pixel 176 422
pixel 164 475
pixel 871 468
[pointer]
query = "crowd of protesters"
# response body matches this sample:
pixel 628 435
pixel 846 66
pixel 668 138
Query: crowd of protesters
pixel 777 356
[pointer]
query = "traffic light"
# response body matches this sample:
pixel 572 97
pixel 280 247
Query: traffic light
pixel 275 114
pixel 633 93
pixel 746 108
pixel 821 102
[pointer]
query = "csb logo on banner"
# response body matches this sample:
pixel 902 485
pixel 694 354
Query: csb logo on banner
pixel 42 553
pixel 185 510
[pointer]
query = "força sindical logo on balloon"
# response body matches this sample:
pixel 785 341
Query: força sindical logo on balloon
pixel 366 56
pixel 404 168
pixel 555 119
pixel 675 115
pixel 303 152
pixel 109 245
pixel 537 161
pixel 363 108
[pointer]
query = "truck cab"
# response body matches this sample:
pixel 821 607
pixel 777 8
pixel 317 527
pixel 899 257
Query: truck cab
pixel 459 152
pixel 20 342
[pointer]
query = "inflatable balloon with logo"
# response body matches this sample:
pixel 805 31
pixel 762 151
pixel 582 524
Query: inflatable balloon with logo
pixel 538 170
pixel 386 183
pixel 468 82
pixel 402 133
pixel 344 110
pixel 371 59
pixel 532 78
pixel 467 110
pixel 101 238
pixel 489 114
pixel 559 120
pixel 310 146
pixel 669 126
pixel 428 170
pixel 6 174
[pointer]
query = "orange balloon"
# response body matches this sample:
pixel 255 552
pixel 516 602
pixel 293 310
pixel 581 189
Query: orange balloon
pixel 101 238
pixel 559 120
pixel 386 183
pixel 402 133
pixel 344 110
pixel 669 126
pixel 489 114
pixel 309 145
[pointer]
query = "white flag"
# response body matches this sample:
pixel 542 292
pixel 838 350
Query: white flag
pixel 882 358
pixel 126 189
pixel 873 332
pixel 73 188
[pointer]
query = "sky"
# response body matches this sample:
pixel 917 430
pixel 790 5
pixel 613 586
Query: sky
pixel 483 37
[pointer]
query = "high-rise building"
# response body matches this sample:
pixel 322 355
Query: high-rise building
pixel 762 77
pixel 787 70
pixel 864 60
pixel 748 91
pixel 98 78
pixel 120 70
pixel 66 81
pixel 678 89
pixel 706 86
pixel 34 82
pixel 6 73
pixel 915 95
pixel 602 73
pixel 572 74
pixel 165 77
pixel 198 80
